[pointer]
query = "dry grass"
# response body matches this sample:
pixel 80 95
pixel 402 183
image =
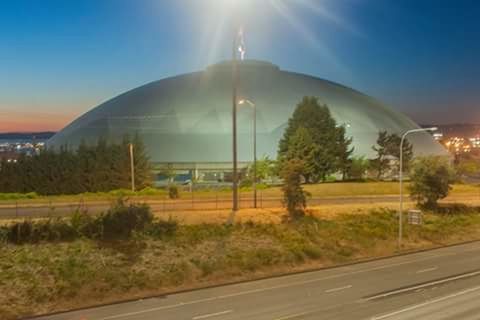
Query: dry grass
pixel 55 276
pixel 323 190
pixel 274 215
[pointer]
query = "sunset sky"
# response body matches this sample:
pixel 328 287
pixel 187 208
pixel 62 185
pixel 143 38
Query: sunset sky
pixel 58 59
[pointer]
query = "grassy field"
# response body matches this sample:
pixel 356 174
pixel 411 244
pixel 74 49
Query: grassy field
pixel 46 277
pixel 340 189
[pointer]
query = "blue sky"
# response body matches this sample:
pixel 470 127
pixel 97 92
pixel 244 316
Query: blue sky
pixel 59 59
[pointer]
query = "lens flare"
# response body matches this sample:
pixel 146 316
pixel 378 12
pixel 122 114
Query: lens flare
pixel 221 19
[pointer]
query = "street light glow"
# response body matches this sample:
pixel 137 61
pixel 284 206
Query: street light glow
pixel 215 20
pixel 246 101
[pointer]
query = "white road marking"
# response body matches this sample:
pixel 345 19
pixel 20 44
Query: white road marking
pixel 427 270
pixel 212 315
pixel 388 315
pixel 296 283
pixel 293 316
pixel 171 306
pixel 338 289
pixel 420 286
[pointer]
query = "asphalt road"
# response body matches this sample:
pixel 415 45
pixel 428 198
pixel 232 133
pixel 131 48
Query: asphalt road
pixel 437 284
pixel 12 211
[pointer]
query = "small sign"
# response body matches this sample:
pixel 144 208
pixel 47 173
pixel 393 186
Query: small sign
pixel 415 217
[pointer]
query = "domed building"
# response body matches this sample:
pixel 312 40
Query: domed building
pixel 186 120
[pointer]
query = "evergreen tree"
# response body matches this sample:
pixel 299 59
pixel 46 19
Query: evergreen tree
pixel 120 156
pixel 86 163
pixel 303 147
pixel 142 165
pixel 381 162
pixel 344 151
pixel 102 167
pixel 358 168
pixel 328 148
pixel 394 150
pixel 387 149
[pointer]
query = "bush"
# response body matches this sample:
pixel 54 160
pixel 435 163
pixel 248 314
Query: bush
pixel 121 220
pixel 431 178
pixel 29 231
pixel 4 234
pixel 18 196
pixel 294 198
pixel 358 168
pixel 86 225
pixel 173 192
pixel 162 229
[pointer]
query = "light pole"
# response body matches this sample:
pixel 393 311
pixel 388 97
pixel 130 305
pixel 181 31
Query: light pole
pixel 238 46
pixel 400 213
pixel 254 107
pixel 132 167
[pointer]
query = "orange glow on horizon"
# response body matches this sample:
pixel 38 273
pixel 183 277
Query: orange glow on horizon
pixel 33 122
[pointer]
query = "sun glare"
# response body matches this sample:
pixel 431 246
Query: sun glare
pixel 220 19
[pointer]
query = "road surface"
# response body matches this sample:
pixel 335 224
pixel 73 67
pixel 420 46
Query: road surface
pixel 437 284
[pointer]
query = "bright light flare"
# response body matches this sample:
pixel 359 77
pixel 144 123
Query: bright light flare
pixel 219 20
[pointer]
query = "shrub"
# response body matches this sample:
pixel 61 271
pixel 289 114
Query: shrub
pixel 3 234
pixel 86 225
pixel 173 192
pixel 162 229
pixel 358 168
pixel 294 198
pixel 430 180
pixel 121 220
pixel 29 231
pixel 18 196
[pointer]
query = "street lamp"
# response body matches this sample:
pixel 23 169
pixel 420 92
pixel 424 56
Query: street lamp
pixel 238 47
pixel 251 104
pixel 400 213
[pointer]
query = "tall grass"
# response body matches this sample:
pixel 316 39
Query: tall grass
pixel 48 272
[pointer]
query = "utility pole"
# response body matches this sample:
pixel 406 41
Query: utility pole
pixel 235 48
pixel 132 166
pixel 254 156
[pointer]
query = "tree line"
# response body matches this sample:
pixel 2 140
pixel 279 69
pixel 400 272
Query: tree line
pixel 91 168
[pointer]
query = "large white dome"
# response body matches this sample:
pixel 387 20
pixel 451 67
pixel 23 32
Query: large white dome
pixel 187 118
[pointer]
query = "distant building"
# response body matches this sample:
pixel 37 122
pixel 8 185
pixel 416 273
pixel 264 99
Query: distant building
pixel 475 142
pixel 438 136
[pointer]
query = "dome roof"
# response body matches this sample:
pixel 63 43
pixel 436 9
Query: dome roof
pixel 187 118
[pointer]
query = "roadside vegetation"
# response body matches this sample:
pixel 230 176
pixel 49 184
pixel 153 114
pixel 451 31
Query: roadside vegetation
pixel 55 264
pixel 92 168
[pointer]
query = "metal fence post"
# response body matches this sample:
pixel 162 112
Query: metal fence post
pixel 193 200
